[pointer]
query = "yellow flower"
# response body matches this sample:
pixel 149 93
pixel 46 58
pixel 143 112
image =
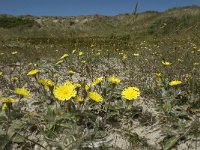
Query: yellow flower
pixel 124 57
pixel 71 72
pixel 1 73
pixel 4 106
pixel 13 53
pixel 95 96
pixel 7 100
pixel 59 62
pixel 175 82
pixel 22 92
pixel 166 63
pixel 64 91
pixel 136 54
pixel 83 61
pixel 64 56
pixel 97 81
pixel 79 99
pixel 114 80
pixel 73 51
pixel 46 83
pixel 77 85
pixel 33 72
pixel 14 78
pixel 158 75
pixel 98 54
pixel 88 86
pixel 195 63
pixel 80 53
pixel 130 93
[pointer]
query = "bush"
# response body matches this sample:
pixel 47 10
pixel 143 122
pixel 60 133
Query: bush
pixel 13 22
pixel 168 25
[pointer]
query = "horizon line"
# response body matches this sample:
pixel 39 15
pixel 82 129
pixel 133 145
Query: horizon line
pixel 147 11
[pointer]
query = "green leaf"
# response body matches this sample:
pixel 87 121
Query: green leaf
pixel 169 131
pixel 50 115
pixel 3 116
pixel 16 125
pixel 171 142
pixel 18 139
pixel 3 140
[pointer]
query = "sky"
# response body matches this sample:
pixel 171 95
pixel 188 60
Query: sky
pixel 86 7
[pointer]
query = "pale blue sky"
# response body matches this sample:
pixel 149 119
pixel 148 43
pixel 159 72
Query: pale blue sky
pixel 86 7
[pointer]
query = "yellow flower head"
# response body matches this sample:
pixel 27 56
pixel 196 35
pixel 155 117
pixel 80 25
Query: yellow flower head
pixel 98 53
pixel 95 97
pixel 33 72
pixel 130 93
pixel 97 81
pixel 88 86
pixel 4 106
pixel 14 78
pixel 64 91
pixel 196 63
pixel 124 57
pixel 114 80
pixel 13 53
pixel 80 53
pixel 22 92
pixel 1 73
pixel 46 83
pixel 73 51
pixel 77 85
pixel 64 56
pixel 175 82
pixel 158 75
pixel 166 63
pixel 59 62
pixel 83 61
pixel 71 72
pixel 7 100
pixel 79 99
pixel 136 54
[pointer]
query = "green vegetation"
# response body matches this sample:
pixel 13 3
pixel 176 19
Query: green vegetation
pixel 98 82
pixel 15 22
pixel 173 25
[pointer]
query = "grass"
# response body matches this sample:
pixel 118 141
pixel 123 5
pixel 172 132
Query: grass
pixel 44 121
